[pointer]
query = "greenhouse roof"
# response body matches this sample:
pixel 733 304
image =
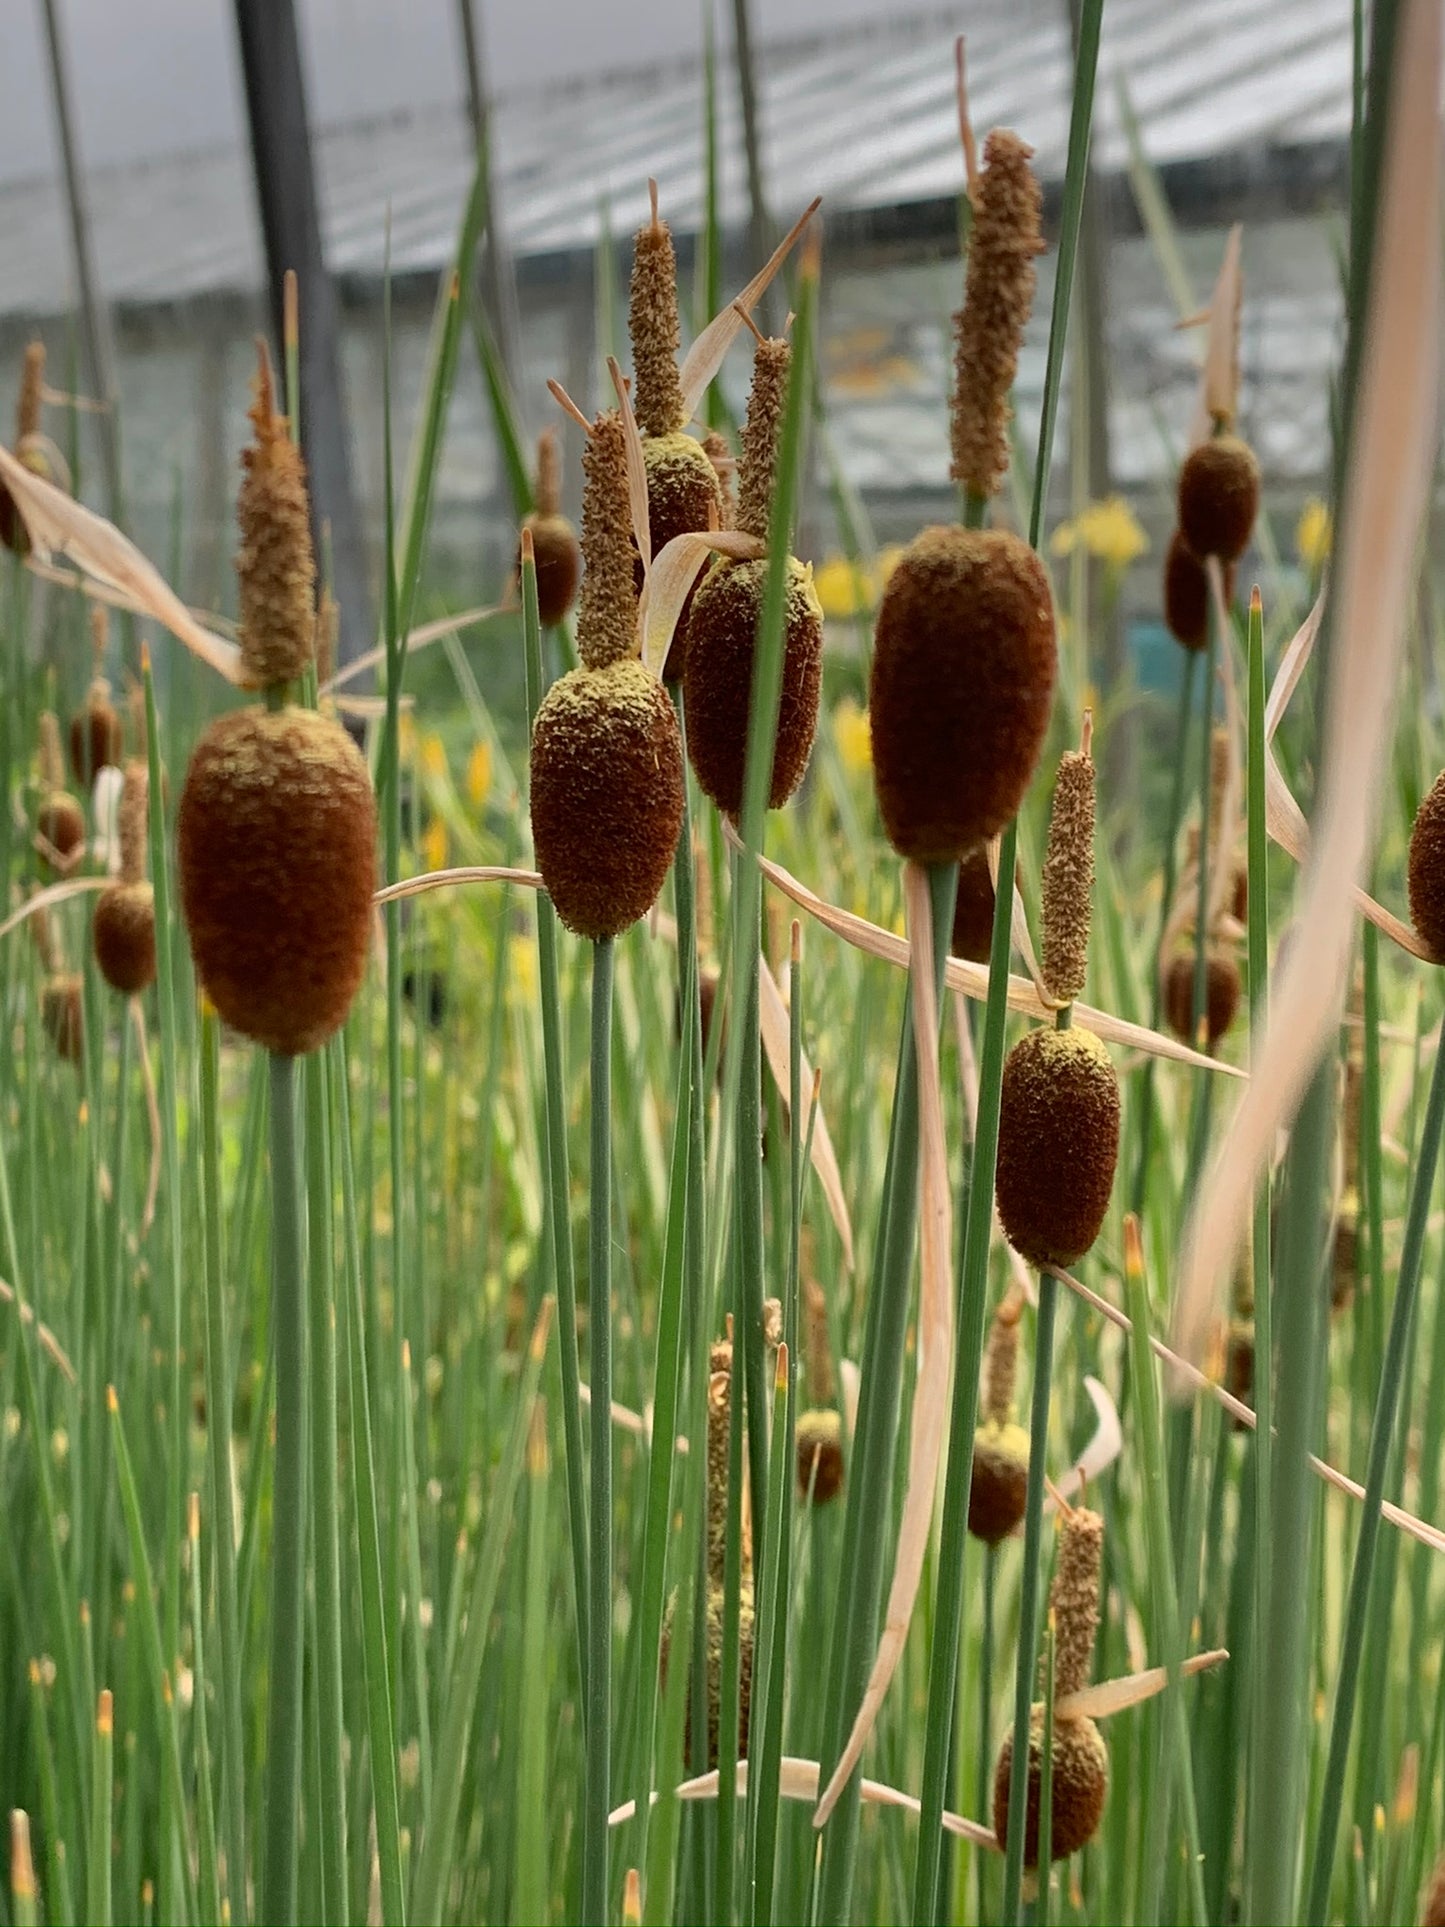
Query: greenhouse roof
pixel 866 118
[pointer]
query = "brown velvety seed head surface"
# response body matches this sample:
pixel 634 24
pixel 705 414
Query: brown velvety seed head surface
pixel 973 908
pixel 275 567
pixel 607 619
pixel 999 1487
pixel 124 936
pixel 1219 497
pixel 1058 1144
pixel 656 335
pixel 277 836
pixel 62 1011
pixel 1068 878
pixel 718 673
pixel 1074 1598
pixel 95 738
pixel 820 1445
pixel 1221 995
pixel 559 565
pixel 1080 1785
pixel 683 497
pixel 607 795
pixel 1186 593
pixel 1426 875
pixel 962 681
pixel 61 821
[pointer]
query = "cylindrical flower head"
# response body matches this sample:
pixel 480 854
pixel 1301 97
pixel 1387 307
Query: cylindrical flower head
pixel 554 540
pixel 767 400
pixel 607 619
pixel 277 843
pixel 1068 879
pixel 607 795
pixel 95 734
pixel 820 1454
pixel 1075 1599
pixel 1219 497
pixel 999 1484
pixel 1186 594
pixel 719 452
pixel 1001 1363
pixel 973 908
pixel 1426 874
pixel 275 568
pixel 719 1419
pixel 62 1012
pixel 123 933
pixel 13 533
pixel 998 294
pixel 684 497
pixel 962 680
pixel 718 676
pixel 652 323
pixel 1080 1785
pixel 1058 1144
pixel 1221 995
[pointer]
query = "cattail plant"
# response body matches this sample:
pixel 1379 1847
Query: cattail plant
pixel 96 736
pixel 1219 496
pixel 28 408
pixel 1221 994
pixel 123 931
pixel 1186 594
pixel 973 908
pixel 1425 875
pixel 819 1430
pixel 277 845
pixel 59 820
pixel 554 540
pixel 62 1013
pixel 1080 1759
pixel 999 1486
pixel 727 608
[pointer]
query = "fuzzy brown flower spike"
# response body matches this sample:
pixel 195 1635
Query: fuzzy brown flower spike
pixel 1068 880
pixel 723 626
pixel 60 821
pixel 275 568
pixel 652 322
pixel 124 930
pixel 998 294
pixel 998 1489
pixel 607 620
pixel 1080 1757
pixel 1426 872
pixel 28 408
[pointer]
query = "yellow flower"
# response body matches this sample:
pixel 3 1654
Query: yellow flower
pixel 433 756
pixel 1313 534
pixel 853 736
pixel 525 978
pixel 479 775
pixel 1107 530
pixel 843 589
pixel 434 844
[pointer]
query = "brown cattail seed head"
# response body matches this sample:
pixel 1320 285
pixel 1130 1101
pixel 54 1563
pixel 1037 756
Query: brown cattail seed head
pixel 973 908
pixel 716 1608
pixel 607 795
pixel 1058 1144
pixel 1219 497
pixel 1221 995
pixel 961 684
pixel 1426 874
pixel 656 335
pixel 1432 1904
pixel 95 734
pixel 13 533
pixel 1068 879
pixel 718 674
pixel 998 294
pixel 61 821
pixel 716 447
pixel 62 1011
pixel 998 1488
pixel 1001 1363
pixel 1074 1599
pixel 1239 1362
pixel 818 1350
pixel 1186 593
pixel 1080 1784
pixel 684 497
pixel 277 836
pixel 607 620
pixel 820 1455
pixel 767 398
pixel 275 568
pixel 124 936
pixel 554 540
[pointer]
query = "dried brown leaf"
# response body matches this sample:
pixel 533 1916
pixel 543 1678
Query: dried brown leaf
pixel 709 351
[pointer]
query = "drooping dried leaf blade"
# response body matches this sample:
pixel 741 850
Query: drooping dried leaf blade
pixel 709 351
pixel 1117 1695
pixel 669 584
pixel 773 1017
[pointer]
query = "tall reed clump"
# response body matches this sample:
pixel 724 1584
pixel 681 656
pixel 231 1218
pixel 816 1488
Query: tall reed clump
pixel 277 847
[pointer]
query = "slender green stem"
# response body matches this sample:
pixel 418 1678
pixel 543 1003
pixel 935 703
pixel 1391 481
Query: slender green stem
pixel 222 1505
pixel 1028 1640
pixel 599 1328
pixel 1382 1434
pixel 555 1147
pixel 288 1595
pixel 97 1892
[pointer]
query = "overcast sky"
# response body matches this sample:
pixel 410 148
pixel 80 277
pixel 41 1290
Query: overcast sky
pixel 155 77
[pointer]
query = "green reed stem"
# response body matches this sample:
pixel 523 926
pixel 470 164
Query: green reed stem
pixel 288 1592
pixel 1199 999
pixel 555 1150
pixel 1028 1638
pixel 102 1795
pixel 209 1881
pixel 1045 1855
pixel 599 1329
pixel 1382 1432
pixel 222 1505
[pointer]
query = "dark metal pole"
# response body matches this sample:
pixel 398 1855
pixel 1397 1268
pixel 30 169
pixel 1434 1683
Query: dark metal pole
pixel 291 227
pixel 498 284
pixel 94 321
